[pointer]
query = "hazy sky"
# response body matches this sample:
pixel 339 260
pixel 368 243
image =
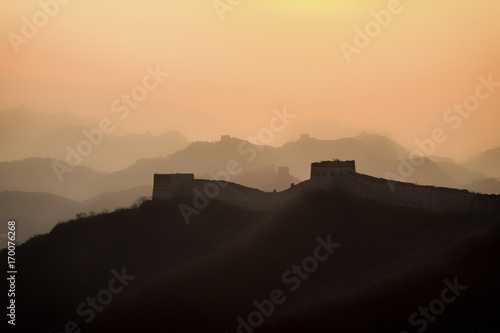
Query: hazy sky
pixel 227 75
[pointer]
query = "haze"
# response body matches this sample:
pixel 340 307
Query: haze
pixel 227 76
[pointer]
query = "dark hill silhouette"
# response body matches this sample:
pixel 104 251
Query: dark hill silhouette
pixel 201 277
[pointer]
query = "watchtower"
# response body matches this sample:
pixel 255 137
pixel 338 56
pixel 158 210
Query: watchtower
pixel 328 169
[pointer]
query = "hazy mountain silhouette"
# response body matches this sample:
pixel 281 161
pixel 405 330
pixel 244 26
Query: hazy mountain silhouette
pixel 45 209
pixel 458 173
pixel 115 152
pixel 117 199
pixel 427 173
pixel 298 153
pixel 20 128
pixel 203 276
pixel 320 128
pixel 26 133
pixel 487 186
pixel 438 159
pixel 203 157
pixel 37 175
pixel 192 122
pixel 487 162
pixel 375 155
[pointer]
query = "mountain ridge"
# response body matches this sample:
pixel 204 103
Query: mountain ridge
pixel 184 271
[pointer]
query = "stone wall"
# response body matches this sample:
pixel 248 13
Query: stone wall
pixel 376 189
pixel 328 169
pixel 235 194
pixel 416 196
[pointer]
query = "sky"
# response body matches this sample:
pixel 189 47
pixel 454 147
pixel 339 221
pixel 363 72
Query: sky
pixel 229 67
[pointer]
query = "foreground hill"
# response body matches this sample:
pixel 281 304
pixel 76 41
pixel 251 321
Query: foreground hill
pixel 382 263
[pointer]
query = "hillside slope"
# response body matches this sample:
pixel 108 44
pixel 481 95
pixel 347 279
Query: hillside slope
pixel 386 262
pixel 45 210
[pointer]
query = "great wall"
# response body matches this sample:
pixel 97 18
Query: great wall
pixel 328 175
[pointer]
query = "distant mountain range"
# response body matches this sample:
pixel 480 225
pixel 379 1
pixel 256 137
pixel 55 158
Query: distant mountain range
pixel 21 128
pixel 320 128
pixel 90 190
pixel 130 161
pixel 25 133
pixel 115 152
pixel 487 162
pixel 375 155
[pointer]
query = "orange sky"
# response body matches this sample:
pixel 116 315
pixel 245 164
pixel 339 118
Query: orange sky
pixel 228 75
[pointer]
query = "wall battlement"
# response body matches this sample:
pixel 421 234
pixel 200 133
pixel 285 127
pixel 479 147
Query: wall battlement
pixel 328 169
pixel 329 175
pixel 204 189
pixel 166 180
pixel 415 196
